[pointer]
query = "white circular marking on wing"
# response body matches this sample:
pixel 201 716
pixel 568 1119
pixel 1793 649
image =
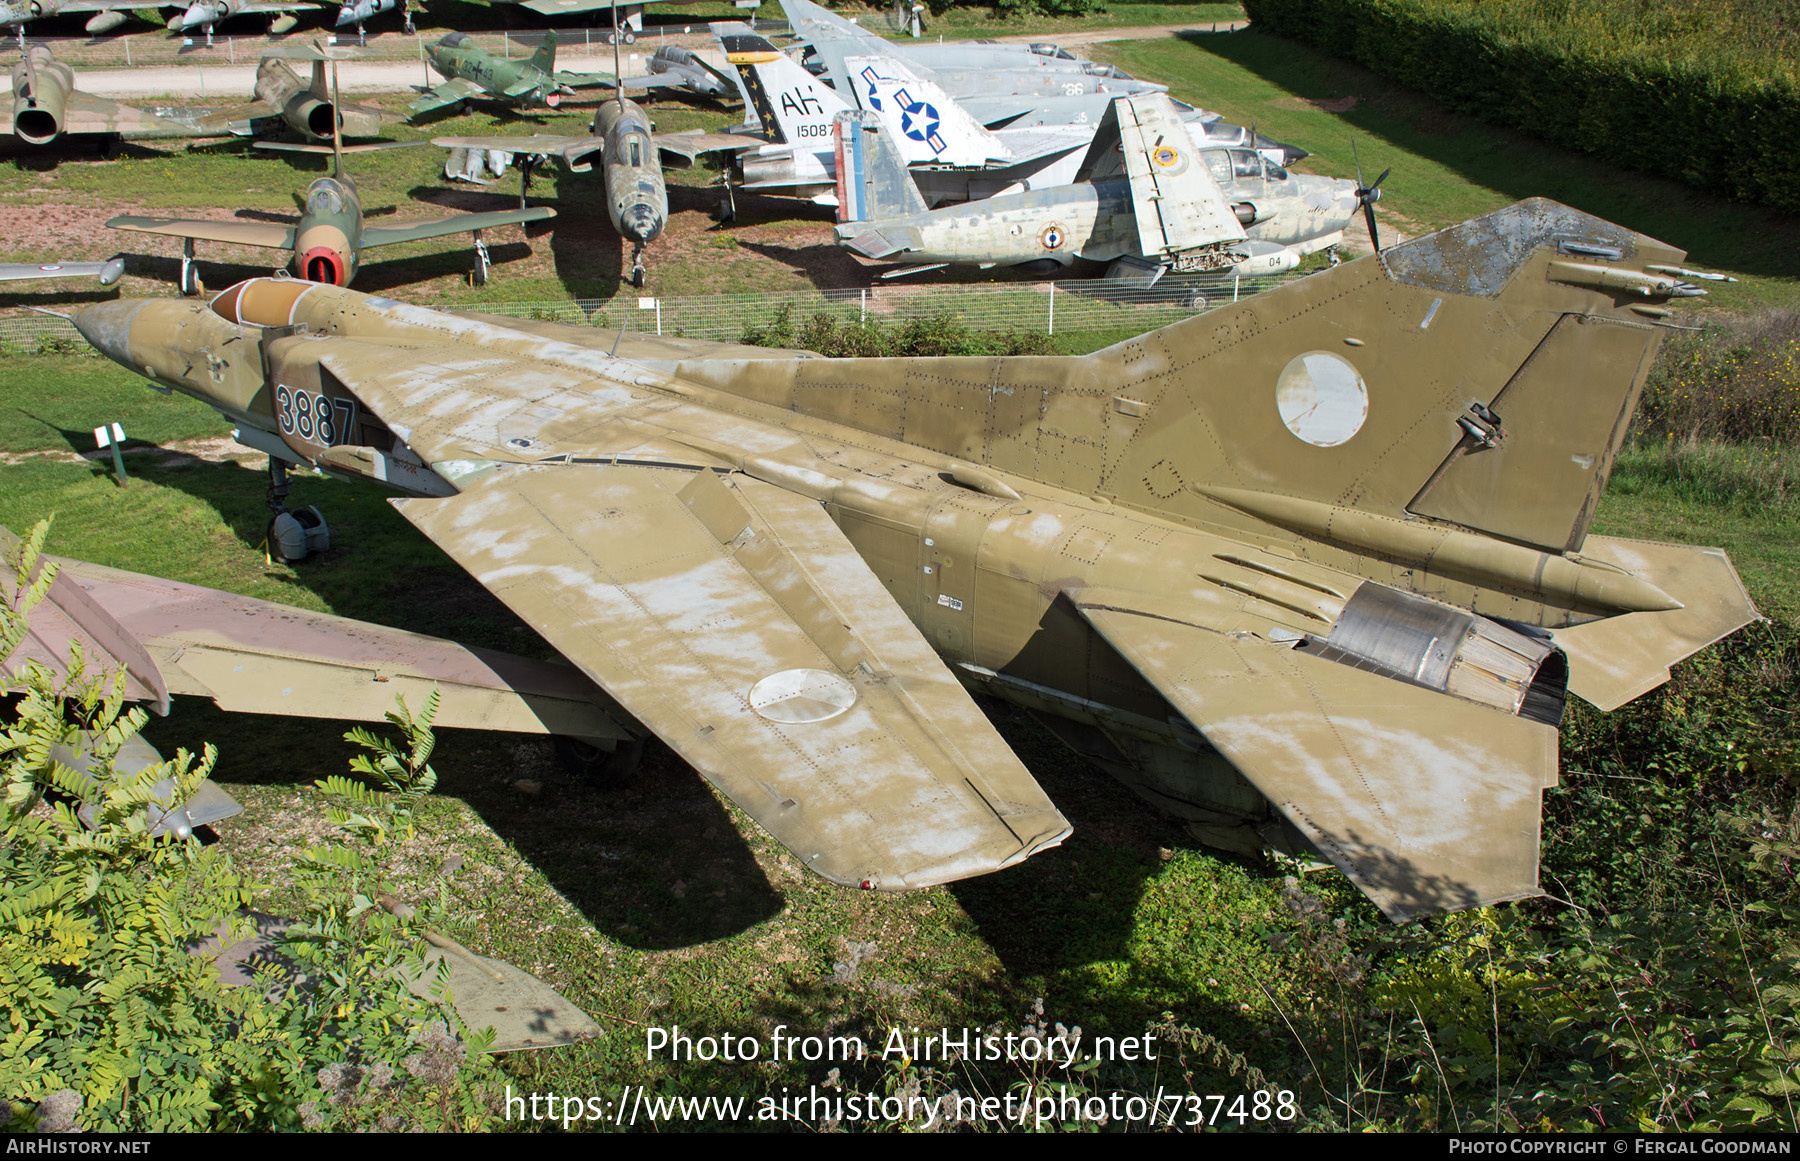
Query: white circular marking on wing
pixel 794 696
pixel 1322 398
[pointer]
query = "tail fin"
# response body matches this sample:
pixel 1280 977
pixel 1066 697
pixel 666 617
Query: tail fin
pixel 872 180
pixel 1482 376
pixel 927 123
pixel 545 57
pixel 320 87
pixel 794 106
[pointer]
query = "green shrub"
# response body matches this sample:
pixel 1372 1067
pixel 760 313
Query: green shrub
pixel 1704 91
pixel 929 337
pixel 114 1019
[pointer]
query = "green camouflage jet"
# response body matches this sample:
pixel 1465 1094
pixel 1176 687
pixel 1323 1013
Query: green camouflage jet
pixel 474 72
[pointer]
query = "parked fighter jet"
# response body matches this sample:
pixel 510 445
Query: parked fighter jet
pixel 47 106
pixel 954 158
pixel 1144 202
pixel 473 72
pixel 359 11
pixel 204 14
pixel 110 14
pixel 627 18
pixel 1312 570
pixel 107 272
pixel 330 237
pixel 622 143
pixel 283 100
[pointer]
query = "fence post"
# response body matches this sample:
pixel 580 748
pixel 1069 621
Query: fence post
pixel 1053 308
pixel 231 49
pixel 127 52
pixel 862 316
pixel 1234 285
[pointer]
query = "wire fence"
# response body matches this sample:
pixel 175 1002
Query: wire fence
pixel 1073 308
pixel 224 51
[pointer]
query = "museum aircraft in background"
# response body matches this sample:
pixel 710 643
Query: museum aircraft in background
pixel 47 107
pixel 108 15
pixel 1312 571
pixel 331 236
pixel 1144 202
pixel 473 73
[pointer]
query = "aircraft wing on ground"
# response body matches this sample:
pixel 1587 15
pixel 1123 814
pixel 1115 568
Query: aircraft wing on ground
pixel 86 113
pixel 252 656
pixel 443 96
pixel 269 234
pixel 459 224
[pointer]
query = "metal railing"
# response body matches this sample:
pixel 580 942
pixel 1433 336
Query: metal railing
pixel 1085 308
pixel 193 49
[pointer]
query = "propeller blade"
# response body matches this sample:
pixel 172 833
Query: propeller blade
pixel 1369 216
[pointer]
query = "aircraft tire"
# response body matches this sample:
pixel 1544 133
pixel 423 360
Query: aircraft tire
pixel 637 279
pixel 723 211
pixel 595 766
pixel 629 37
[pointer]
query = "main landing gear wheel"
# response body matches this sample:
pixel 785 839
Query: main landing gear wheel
pixel 190 275
pixel 595 765
pixel 483 263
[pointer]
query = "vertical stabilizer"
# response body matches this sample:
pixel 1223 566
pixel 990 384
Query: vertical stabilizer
pixel 545 57
pixel 927 123
pixel 793 105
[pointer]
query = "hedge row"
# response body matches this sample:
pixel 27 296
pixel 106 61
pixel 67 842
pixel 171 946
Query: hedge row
pixel 1719 122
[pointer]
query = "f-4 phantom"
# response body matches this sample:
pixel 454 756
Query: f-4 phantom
pixel 1311 571
pixel 1144 201
pixel 472 72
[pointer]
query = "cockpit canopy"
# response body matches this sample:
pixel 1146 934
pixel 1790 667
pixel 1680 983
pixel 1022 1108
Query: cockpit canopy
pixel 325 198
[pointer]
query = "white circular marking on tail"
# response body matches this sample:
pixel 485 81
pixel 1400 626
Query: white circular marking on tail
pixel 1322 398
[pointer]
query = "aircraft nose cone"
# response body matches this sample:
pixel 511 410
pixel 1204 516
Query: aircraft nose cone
pixel 346 17
pixel 107 327
pixel 643 224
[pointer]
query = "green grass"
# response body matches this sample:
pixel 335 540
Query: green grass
pixel 1448 167
pixel 658 903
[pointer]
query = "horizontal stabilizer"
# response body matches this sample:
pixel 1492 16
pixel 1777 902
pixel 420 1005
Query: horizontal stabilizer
pixel 252 656
pixel 1427 802
pixel 735 620
pixel 1615 660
